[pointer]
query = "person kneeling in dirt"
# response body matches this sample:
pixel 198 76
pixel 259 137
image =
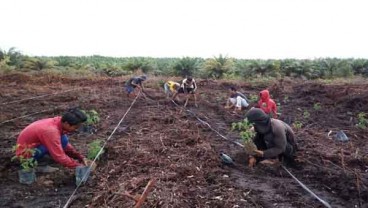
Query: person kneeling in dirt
pixel 171 88
pixel 134 82
pixel 274 139
pixel 188 87
pixel 47 137
pixel 237 99
pixel 267 104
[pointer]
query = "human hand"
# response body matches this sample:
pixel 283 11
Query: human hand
pixel 90 163
pixel 85 161
pixel 251 161
pixel 258 153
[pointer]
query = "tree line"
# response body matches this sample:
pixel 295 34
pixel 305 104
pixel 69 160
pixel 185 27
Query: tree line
pixel 217 67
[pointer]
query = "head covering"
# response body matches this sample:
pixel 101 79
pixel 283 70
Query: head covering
pixel 260 120
pixel 144 77
pixel 265 95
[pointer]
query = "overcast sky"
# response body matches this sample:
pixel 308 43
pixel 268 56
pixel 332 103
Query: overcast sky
pixel 195 28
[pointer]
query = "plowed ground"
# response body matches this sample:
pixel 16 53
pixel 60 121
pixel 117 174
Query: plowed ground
pixel 159 140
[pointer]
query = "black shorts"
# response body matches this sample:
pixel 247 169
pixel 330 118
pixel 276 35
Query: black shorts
pixel 189 90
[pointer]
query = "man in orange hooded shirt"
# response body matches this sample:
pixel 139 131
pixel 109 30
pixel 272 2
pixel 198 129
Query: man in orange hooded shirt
pixel 267 104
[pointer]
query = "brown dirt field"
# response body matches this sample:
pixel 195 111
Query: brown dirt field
pixel 158 140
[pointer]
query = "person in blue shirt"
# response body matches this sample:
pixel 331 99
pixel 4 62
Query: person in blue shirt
pixel 133 83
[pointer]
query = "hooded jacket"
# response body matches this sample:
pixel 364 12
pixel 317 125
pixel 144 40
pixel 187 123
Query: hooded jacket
pixel 277 135
pixel 267 104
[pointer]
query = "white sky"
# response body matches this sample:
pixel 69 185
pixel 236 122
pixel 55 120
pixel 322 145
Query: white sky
pixel 196 28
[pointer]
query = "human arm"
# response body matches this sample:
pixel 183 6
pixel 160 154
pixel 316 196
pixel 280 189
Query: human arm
pixel 194 86
pixel 229 104
pixel 142 86
pixel 72 152
pixel 184 86
pixel 135 83
pixel 174 96
pixel 279 142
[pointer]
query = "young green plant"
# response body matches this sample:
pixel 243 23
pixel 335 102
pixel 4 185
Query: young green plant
pixel 246 134
pixel 298 124
pixel 253 98
pixel 317 106
pixel 362 121
pixel 27 162
pixel 306 114
pixel 93 149
pixel 92 117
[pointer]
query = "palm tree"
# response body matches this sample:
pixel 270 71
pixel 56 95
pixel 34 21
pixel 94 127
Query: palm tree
pixel 37 63
pixel 329 66
pixel 187 66
pixel 13 57
pixel 218 66
pixel 136 63
pixel 359 66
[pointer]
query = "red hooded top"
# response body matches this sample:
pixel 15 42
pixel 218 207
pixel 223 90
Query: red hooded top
pixel 48 132
pixel 267 104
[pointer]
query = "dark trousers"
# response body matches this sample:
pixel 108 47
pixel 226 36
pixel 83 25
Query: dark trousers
pixel 41 150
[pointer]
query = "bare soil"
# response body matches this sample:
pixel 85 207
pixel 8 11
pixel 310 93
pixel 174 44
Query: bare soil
pixel 159 140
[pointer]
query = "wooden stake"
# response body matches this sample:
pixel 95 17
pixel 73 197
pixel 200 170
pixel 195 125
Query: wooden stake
pixel 148 188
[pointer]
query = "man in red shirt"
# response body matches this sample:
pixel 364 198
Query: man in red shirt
pixel 47 136
pixel 267 104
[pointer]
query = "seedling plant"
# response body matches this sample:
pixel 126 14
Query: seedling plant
pixel 298 124
pixel 246 134
pixel 27 162
pixel 317 106
pixel 306 114
pixel 362 120
pixel 92 117
pixel 253 98
pixel 94 148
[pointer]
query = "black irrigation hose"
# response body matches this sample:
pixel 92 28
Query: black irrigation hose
pixel 307 189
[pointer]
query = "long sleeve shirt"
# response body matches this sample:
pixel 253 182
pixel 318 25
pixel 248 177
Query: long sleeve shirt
pixel 276 141
pixel 48 132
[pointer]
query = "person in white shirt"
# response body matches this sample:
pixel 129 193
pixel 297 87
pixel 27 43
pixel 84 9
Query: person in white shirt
pixel 237 100
pixel 188 87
